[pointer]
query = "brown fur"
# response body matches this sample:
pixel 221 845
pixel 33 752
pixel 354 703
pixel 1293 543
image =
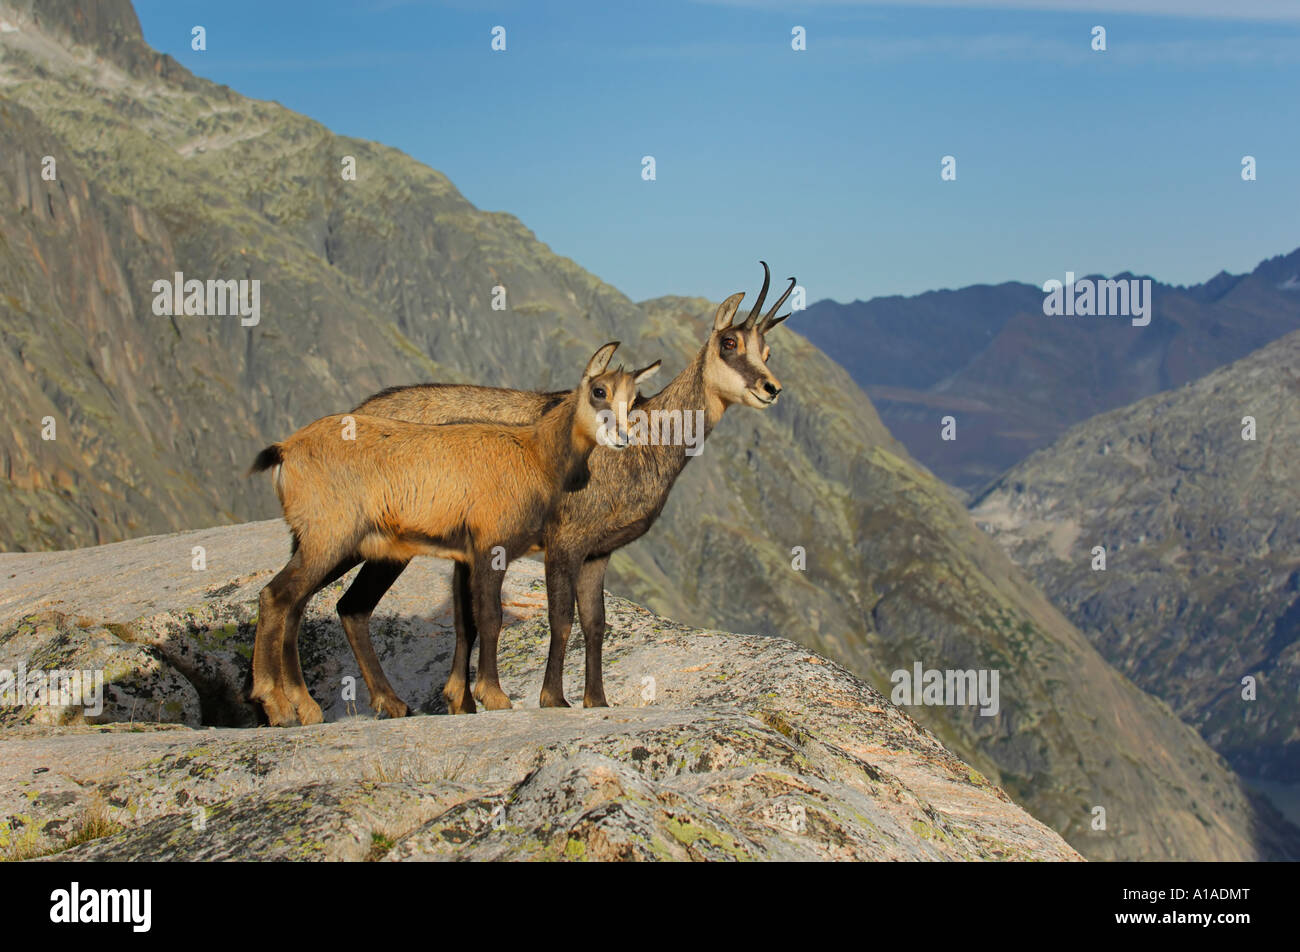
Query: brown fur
pixel 622 498
pixel 401 489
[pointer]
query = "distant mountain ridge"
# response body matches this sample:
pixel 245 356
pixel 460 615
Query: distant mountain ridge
pixel 1015 378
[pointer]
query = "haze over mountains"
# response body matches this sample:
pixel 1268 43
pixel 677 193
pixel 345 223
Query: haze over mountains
pixel 1015 378
pixel 388 279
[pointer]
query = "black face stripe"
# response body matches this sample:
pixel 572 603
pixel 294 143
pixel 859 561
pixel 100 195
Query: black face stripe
pixel 742 365
pixel 742 358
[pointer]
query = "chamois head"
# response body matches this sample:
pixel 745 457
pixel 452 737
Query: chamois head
pixel 605 397
pixel 735 360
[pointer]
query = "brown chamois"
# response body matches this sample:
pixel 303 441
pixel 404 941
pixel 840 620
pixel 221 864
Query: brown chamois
pixel 622 498
pixel 367 488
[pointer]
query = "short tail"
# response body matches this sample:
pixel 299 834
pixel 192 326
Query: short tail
pixel 271 456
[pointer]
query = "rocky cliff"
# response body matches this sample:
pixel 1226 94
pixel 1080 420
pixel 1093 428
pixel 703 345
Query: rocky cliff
pixel 719 746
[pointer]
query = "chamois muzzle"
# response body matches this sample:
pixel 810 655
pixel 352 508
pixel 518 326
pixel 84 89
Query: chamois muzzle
pixel 612 433
pixel 766 392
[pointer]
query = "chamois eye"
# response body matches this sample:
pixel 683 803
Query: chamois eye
pixel 728 343
pixel 598 393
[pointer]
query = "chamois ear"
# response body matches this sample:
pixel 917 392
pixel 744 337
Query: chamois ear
pixel 726 311
pixel 600 360
pixel 645 373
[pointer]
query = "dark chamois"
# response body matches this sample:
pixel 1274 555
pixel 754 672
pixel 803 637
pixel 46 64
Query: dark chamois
pixel 623 496
pixel 364 487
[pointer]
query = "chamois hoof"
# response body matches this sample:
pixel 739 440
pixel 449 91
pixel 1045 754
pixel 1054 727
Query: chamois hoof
pixel 553 700
pixel 595 700
pixel 309 713
pixel 462 704
pixel 494 699
pixel 479 691
pixel 389 705
pixel 277 708
pixel 281 717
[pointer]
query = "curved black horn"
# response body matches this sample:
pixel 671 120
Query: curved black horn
pixel 758 304
pixel 768 323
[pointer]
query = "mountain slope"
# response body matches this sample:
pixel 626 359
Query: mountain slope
pixel 160 171
pixel 1202 535
pixel 1015 378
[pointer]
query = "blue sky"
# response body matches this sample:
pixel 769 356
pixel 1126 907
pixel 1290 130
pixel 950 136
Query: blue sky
pixel 824 162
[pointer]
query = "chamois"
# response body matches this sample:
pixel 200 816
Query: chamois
pixel 622 498
pixel 367 488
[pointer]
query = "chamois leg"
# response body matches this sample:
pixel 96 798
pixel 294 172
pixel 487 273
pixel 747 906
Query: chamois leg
pixel 462 602
pixel 591 613
pixel 457 693
pixel 294 685
pixel 560 572
pixel 486 583
pixel 279 611
pixel 355 608
pixel 290 679
pixel 273 603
